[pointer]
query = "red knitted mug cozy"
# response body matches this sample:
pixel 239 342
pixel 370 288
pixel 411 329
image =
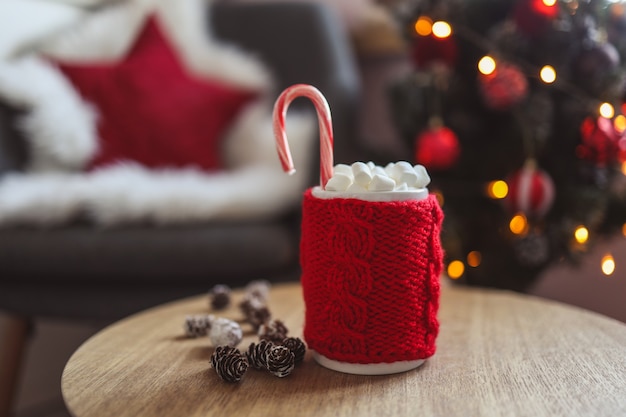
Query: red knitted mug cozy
pixel 370 278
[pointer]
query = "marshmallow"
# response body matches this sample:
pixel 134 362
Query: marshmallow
pixel 382 183
pixel 367 177
pixel 423 177
pixel 362 174
pixel 342 169
pixel 356 188
pixel 339 182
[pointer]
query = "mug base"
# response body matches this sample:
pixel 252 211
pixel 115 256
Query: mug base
pixel 367 368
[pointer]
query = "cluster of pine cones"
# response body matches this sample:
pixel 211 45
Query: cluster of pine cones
pixel 231 364
pixel 275 352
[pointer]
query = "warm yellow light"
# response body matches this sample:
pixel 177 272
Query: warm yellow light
pixel 624 229
pixel 624 168
pixel 456 269
pixel 518 224
pixel 581 234
pixel 608 264
pixel 547 74
pixel 442 29
pixel 486 65
pixel 549 3
pixel 424 26
pixel 474 258
pixel 606 110
pixel 497 189
pixel 620 123
pixel 439 196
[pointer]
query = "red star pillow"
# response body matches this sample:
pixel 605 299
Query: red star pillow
pixel 152 111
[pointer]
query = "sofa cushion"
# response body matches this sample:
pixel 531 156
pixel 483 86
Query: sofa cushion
pixel 151 110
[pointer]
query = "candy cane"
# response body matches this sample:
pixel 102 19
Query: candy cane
pixel 325 126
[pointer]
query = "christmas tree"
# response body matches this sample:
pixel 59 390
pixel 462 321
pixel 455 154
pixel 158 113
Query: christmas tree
pixel 517 110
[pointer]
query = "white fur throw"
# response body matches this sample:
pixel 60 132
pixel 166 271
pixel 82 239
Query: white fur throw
pixel 62 134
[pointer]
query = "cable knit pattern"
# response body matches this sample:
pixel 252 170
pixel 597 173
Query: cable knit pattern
pixel 370 278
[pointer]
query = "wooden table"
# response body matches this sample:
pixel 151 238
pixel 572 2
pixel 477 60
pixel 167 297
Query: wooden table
pixel 499 354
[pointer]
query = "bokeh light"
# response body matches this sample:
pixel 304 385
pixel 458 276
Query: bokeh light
pixel 497 189
pixel 547 74
pixel 456 269
pixel 442 29
pixel 424 26
pixel 486 65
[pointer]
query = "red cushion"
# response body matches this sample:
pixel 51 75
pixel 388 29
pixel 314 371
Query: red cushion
pixel 153 111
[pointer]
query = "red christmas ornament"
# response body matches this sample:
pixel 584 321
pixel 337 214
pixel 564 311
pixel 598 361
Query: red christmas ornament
pixel 600 143
pixel 533 17
pixel 531 191
pixel 503 88
pixel 437 148
pixel 430 50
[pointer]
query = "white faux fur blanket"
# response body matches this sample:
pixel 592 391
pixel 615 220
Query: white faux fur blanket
pixel 62 134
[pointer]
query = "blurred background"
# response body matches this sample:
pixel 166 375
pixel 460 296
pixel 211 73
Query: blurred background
pixel 516 108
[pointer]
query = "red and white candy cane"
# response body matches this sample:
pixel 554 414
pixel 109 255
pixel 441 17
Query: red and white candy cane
pixel 325 124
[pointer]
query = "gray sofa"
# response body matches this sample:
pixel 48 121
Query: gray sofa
pixel 82 272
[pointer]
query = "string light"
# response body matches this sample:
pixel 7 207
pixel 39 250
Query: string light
pixel 456 269
pixel 619 123
pixel 624 229
pixel 486 65
pixel 439 196
pixel 606 110
pixel 424 26
pixel 474 258
pixel 581 234
pixel 608 264
pixel 624 168
pixel 519 224
pixel 442 29
pixel 547 74
pixel 497 189
pixel 549 3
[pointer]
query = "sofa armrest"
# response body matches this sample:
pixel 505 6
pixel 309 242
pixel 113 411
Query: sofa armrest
pixel 300 43
pixel 13 149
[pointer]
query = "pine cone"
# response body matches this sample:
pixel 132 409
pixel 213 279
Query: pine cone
pixel 229 364
pixel 257 354
pixel 225 332
pixel 255 311
pixel 274 331
pixel 280 361
pixel 296 346
pixel 198 325
pixel 259 289
pixel 221 351
pixel 220 297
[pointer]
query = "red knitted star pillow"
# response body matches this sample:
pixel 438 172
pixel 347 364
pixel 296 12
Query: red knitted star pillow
pixel 152 111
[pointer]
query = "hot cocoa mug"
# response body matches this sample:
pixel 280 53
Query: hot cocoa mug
pixel 371 258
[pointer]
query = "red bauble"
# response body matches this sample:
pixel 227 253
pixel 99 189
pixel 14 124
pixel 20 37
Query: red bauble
pixel 531 191
pixel 533 17
pixel 503 88
pixel 600 142
pixel 437 148
pixel 430 50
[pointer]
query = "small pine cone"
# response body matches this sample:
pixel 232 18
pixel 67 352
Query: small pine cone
pixel 221 351
pixel 274 331
pixel 257 354
pixel 225 332
pixel 220 297
pixel 255 311
pixel 296 346
pixel 280 361
pixel 229 364
pixel 259 289
pixel 198 325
